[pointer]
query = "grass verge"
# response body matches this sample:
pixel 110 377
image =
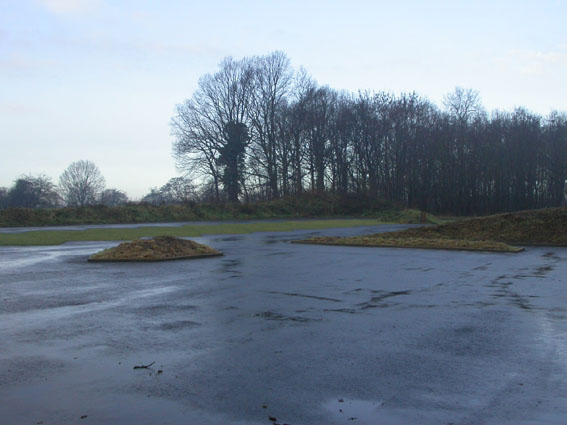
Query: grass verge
pixel 160 248
pixel 492 233
pixel 56 237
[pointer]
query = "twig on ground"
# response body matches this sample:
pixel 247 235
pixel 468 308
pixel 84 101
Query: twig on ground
pixel 144 366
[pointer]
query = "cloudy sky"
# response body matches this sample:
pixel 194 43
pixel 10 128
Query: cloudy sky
pixel 99 79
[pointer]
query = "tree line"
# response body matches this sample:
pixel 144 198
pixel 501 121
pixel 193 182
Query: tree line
pixel 257 130
pixel 81 184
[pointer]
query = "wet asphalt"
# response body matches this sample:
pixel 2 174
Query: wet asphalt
pixel 280 333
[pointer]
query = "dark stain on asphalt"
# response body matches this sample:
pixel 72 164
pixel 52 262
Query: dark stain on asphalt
pixel 354 290
pixel 271 254
pixel 520 301
pixel 294 294
pixel 552 256
pixel 228 239
pixel 539 272
pixel 270 315
pixel 341 310
pixel 377 301
pixel 421 269
pixel 543 270
pixel 178 325
pixel 503 290
pixel 163 309
pixel 230 266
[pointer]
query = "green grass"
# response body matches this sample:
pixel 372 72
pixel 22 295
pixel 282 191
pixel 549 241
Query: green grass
pixel 492 233
pixel 56 237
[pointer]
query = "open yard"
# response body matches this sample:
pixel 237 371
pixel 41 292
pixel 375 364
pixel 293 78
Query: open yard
pixel 274 332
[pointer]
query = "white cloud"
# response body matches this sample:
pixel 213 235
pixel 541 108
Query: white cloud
pixel 18 108
pixel 17 64
pixel 535 62
pixel 67 7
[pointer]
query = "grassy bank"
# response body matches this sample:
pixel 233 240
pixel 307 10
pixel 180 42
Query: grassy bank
pixel 305 206
pixel 56 237
pixel 492 233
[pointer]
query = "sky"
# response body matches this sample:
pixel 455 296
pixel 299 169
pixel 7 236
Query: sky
pixel 99 80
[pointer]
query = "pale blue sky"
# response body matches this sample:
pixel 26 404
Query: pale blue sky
pixel 99 79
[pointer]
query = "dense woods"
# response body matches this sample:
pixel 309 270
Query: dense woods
pixel 257 130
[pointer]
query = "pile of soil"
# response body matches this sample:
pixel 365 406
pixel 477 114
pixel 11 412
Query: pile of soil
pixel 499 232
pixel 160 248
pixel 533 227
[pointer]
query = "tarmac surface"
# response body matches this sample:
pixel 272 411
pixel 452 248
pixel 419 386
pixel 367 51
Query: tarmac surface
pixel 280 333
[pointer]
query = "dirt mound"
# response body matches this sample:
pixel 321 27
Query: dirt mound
pixel 491 233
pixel 533 227
pixel 159 248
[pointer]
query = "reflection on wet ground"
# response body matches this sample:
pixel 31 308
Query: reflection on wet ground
pixel 300 333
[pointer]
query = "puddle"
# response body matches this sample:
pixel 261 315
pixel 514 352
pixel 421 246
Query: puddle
pixel 354 411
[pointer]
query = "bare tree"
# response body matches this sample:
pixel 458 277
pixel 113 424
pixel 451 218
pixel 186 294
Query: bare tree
pixel 175 191
pixel 32 192
pixel 3 197
pixel 556 156
pixel 113 197
pixel 199 125
pixel 178 189
pixel 402 148
pixel 273 77
pixel 464 104
pixel 81 183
